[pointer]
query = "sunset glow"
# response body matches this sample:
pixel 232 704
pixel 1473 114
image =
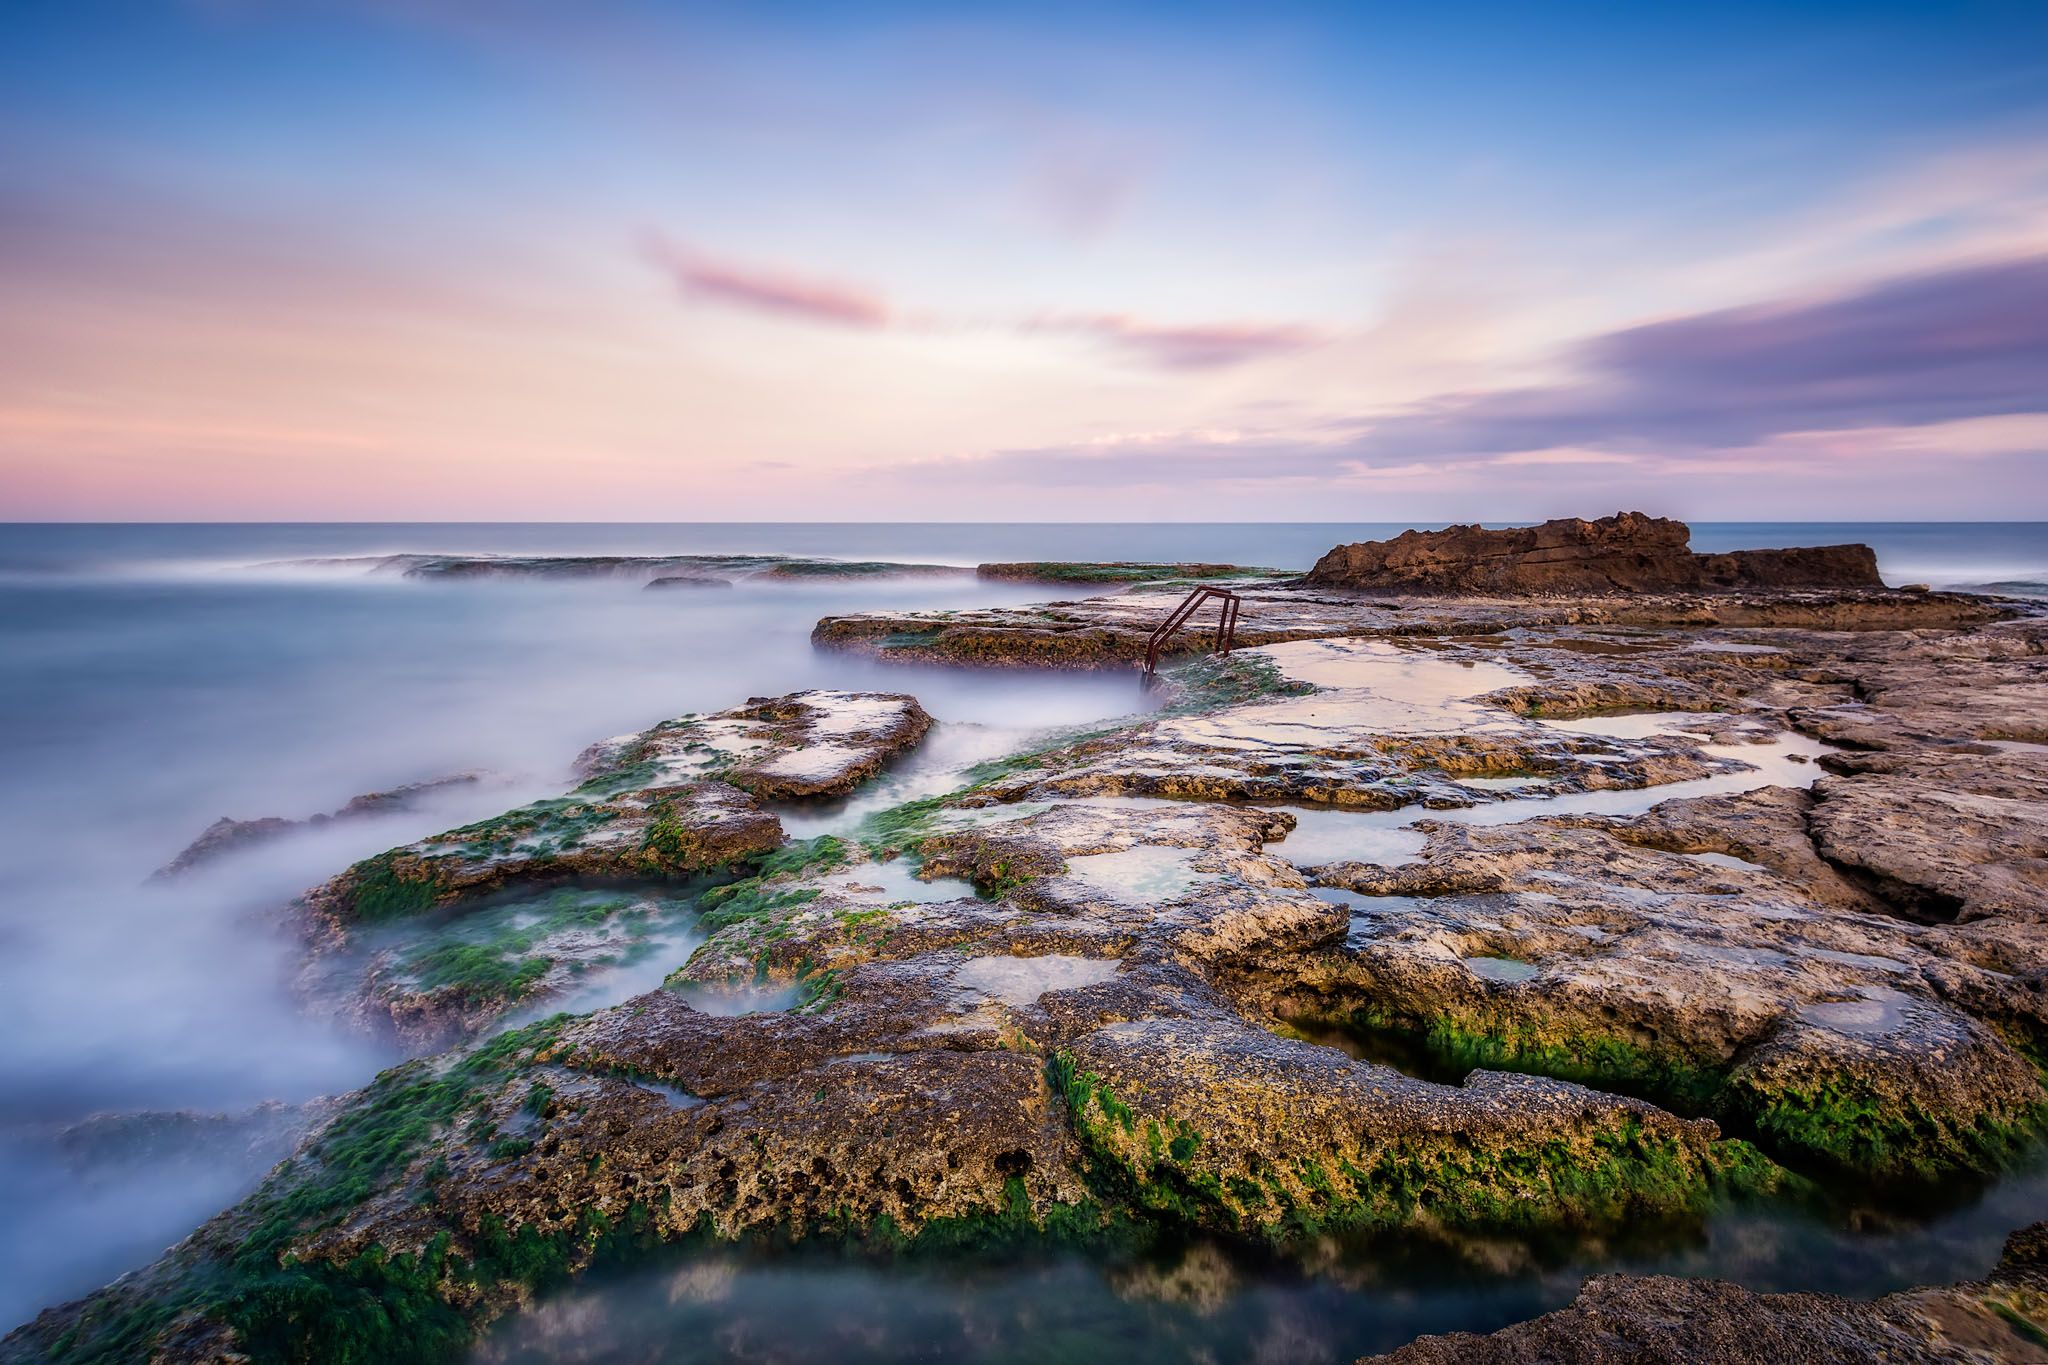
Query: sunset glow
pixel 345 259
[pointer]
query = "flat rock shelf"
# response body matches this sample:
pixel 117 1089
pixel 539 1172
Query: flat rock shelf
pixel 1434 930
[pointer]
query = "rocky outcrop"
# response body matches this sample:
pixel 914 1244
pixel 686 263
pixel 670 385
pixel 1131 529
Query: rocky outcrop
pixel 1110 632
pixel 227 835
pixel 436 939
pixel 1473 986
pixel 1846 1042
pixel 1651 1320
pixel 1627 552
pixel 1049 1063
pixel 643 831
pixel 684 796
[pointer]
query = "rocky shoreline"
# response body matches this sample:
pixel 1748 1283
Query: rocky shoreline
pixel 1432 917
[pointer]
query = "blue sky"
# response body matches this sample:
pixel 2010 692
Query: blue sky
pixel 454 258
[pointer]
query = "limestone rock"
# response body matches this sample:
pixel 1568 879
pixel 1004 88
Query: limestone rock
pixel 1101 992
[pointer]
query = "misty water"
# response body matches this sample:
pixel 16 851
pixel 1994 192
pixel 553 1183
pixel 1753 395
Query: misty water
pixel 153 679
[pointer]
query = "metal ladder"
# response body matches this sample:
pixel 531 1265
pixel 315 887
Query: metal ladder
pixel 1226 625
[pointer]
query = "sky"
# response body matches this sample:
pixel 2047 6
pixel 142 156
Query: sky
pixel 605 260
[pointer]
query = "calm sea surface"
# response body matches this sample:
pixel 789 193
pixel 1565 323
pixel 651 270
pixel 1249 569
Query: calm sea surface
pixel 153 678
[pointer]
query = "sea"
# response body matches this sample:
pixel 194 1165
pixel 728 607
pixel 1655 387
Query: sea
pixel 154 678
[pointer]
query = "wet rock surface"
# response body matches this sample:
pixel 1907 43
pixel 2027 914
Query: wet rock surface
pixel 439 938
pixel 1456 923
pixel 1110 631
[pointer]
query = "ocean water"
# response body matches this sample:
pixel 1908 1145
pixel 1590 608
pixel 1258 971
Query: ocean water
pixel 153 678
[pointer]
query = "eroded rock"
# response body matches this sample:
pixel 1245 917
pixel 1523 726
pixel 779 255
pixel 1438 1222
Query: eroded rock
pixel 1096 994
pixel 1111 632
pixel 438 938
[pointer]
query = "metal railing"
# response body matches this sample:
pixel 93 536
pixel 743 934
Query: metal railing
pixel 1226 625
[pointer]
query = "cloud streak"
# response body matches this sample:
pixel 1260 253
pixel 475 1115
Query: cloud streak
pixel 766 289
pixel 1936 346
pixel 803 297
pixel 1190 346
pixel 1958 355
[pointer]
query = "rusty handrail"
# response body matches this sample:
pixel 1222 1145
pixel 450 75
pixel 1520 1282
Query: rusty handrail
pixel 1226 624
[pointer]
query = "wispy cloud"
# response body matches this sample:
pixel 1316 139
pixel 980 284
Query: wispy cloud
pixel 1913 368
pixel 766 289
pixel 1936 346
pixel 1187 346
pixel 807 297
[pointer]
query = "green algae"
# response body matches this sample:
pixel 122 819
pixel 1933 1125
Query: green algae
pixel 1217 681
pixel 383 890
pixel 496 952
pixel 766 891
pixel 476 973
pixel 805 857
pixel 1454 1048
pixel 427 1305
pixel 1838 1128
pixel 372 1307
pixel 1617 1173
pixel 1847 1129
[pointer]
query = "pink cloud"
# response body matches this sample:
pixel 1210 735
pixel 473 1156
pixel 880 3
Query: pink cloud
pixel 1192 346
pixel 765 289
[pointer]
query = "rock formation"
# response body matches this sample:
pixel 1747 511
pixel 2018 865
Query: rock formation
pixel 438 938
pixel 1110 632
pixel 1627 552
pixel 1469 923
